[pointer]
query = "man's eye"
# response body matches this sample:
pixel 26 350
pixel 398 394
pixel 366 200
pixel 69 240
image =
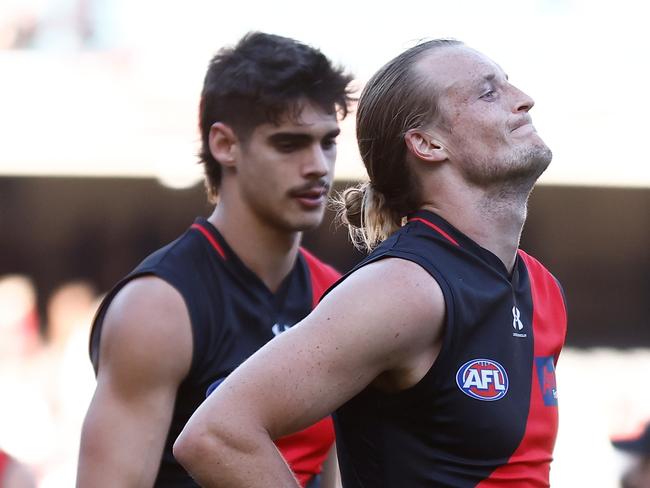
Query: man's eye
pixel 328 143
pixel 286 146
pixel 489 95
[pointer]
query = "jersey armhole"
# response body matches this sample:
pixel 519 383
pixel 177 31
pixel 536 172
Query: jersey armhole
pixel 98 320
pixel 448 331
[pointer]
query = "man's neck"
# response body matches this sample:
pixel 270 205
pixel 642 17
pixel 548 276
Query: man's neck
pixel 493 219
pixel 266 250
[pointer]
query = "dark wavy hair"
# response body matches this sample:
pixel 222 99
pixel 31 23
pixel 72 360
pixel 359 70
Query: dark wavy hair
pixel 260 80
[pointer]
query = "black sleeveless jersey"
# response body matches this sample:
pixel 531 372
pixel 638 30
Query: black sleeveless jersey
pixel 485 414
pixel 232 314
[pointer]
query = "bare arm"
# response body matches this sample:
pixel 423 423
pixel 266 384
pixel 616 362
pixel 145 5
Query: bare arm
pixel 331 478
pixel 381 325
pixel 145 352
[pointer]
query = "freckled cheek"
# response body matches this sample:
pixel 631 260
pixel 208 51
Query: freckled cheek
pixel 481 133
pixel 491 129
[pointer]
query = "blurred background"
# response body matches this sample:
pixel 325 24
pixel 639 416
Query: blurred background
pixel 98 115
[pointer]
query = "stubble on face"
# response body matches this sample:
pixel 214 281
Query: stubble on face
pixel 521 168
pixel 484 141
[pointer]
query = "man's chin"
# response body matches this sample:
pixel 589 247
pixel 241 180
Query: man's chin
pixel 541 158
pixel 307 226
pixel 307 221
pixel 540 151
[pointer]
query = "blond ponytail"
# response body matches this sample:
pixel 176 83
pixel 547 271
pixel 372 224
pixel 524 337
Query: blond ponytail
pixel 364 211
pixel 396 99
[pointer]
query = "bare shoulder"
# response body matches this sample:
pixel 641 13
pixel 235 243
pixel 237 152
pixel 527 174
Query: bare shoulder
pixel 145 352
pixel 401 275
pixel 394 286
pixel 395 303
pixel 147 332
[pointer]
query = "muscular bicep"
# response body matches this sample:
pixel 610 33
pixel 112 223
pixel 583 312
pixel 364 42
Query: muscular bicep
pixel 145 352
pixel 383 319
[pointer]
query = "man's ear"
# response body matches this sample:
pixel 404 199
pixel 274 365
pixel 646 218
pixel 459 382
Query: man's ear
pixel 425 146
pixel 223 143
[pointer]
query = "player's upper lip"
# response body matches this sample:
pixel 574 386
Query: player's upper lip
pixel 520 122
pixel 310 191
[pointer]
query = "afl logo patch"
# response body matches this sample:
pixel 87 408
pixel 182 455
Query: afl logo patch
pixel 483 379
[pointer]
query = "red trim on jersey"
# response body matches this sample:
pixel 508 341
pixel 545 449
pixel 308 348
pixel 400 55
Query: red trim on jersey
pixel 306 451
pixel 322 275
pixel 210 238
pixel 529 465
pixel 436 228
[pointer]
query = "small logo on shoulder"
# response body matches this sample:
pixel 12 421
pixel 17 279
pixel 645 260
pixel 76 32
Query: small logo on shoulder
pixel 483 379
pixel 278 329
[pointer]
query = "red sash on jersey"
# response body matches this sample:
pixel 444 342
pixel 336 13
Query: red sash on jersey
pixel 305 451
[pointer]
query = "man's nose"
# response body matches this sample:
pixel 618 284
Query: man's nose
pixel 319 163
pixel 523 101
